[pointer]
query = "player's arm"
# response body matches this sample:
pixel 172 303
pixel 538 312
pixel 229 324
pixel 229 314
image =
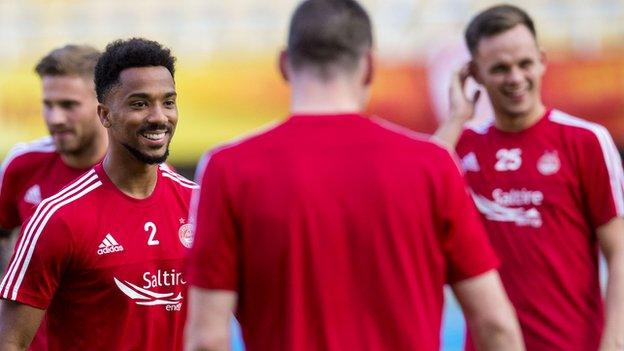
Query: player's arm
pixel 212 264
pixel 611 239
pixel 18 324
pixel 209 322
pixel 462 109
pixel 488 312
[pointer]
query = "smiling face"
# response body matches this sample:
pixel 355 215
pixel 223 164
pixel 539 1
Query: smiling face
pixel 69 111
pixel 141 113
pixel 510 66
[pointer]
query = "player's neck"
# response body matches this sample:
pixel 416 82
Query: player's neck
pixel 511 123
pixel 311 96
pixel 131 176
pixel 89 155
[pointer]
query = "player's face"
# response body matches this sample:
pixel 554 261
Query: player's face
pixel 510 66
pixel 143 113
pixel 70 112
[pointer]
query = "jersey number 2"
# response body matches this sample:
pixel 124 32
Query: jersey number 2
pixel 151 228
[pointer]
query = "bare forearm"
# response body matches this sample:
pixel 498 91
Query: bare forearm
pixel 489 314
pixel 209 320
pixel 208 342
pixel 11 346
pixel 493 334
pixel 613 336
pixel 18 324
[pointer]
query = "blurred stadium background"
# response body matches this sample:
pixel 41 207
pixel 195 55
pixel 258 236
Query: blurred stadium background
pixel 228 84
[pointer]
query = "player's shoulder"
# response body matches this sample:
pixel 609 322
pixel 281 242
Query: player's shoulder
pixel 175 179
pixel 432 154
pixel 409 138
pixel 474 131
pixel 578 128
pixel 29 153
pixel 73 203
pixel 241 146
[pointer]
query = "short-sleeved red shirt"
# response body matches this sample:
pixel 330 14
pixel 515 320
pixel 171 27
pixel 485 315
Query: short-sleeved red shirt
pixel 337 232
pixel 31 172
pixel 542 193
pixel 107 267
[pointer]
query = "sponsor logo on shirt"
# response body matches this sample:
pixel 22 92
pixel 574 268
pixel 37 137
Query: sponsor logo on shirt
pixel 33 195
pixel 499 209
pixel 142 295
pixel 470 163
pixel 185 233
pixel 508 160
pixel 514 197
pixel 109 245
pixel 549 163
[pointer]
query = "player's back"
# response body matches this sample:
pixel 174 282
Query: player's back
pixel 344 235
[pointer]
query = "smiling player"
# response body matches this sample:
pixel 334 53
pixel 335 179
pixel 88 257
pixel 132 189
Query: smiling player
pixel 549 187
pixel 104 256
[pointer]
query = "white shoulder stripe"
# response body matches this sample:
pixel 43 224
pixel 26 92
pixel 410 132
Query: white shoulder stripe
pixel 40 145
pixel 612 158
pixel 184 183
pixel 481 127
pixel 167 172
pixel 35 226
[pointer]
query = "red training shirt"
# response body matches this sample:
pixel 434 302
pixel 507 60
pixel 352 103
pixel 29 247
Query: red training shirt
pixel 107 267
pixel 337 232
pixel 542 193
pixel 31 172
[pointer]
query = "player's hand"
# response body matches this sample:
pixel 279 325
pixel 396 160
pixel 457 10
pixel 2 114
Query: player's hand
pixel 462 107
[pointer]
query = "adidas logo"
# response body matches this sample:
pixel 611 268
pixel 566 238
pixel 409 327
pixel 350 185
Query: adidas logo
pixel 33 195
pixel 109 245
pixel 470 163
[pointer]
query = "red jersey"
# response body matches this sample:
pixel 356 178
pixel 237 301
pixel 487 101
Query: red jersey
pixel 542 193
pixel 337 232
pixel 31 172
pixel 107 267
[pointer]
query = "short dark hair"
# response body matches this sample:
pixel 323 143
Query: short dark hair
pixel 326 33
pixel 493 21
pixel 123 54
pixel 69 60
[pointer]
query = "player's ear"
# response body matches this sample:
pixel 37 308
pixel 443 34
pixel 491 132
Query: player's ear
pixel 104 114
pixel 369 69
pixel 282 62
pixel 474 72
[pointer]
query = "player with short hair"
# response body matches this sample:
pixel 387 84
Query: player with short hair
pixel 33 171
pixel 549 187
pixel 103 257
pixel 333 230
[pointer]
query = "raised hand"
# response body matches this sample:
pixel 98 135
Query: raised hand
pixel 462 107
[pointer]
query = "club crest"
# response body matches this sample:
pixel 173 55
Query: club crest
pixel 549 163
pixel 185 233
